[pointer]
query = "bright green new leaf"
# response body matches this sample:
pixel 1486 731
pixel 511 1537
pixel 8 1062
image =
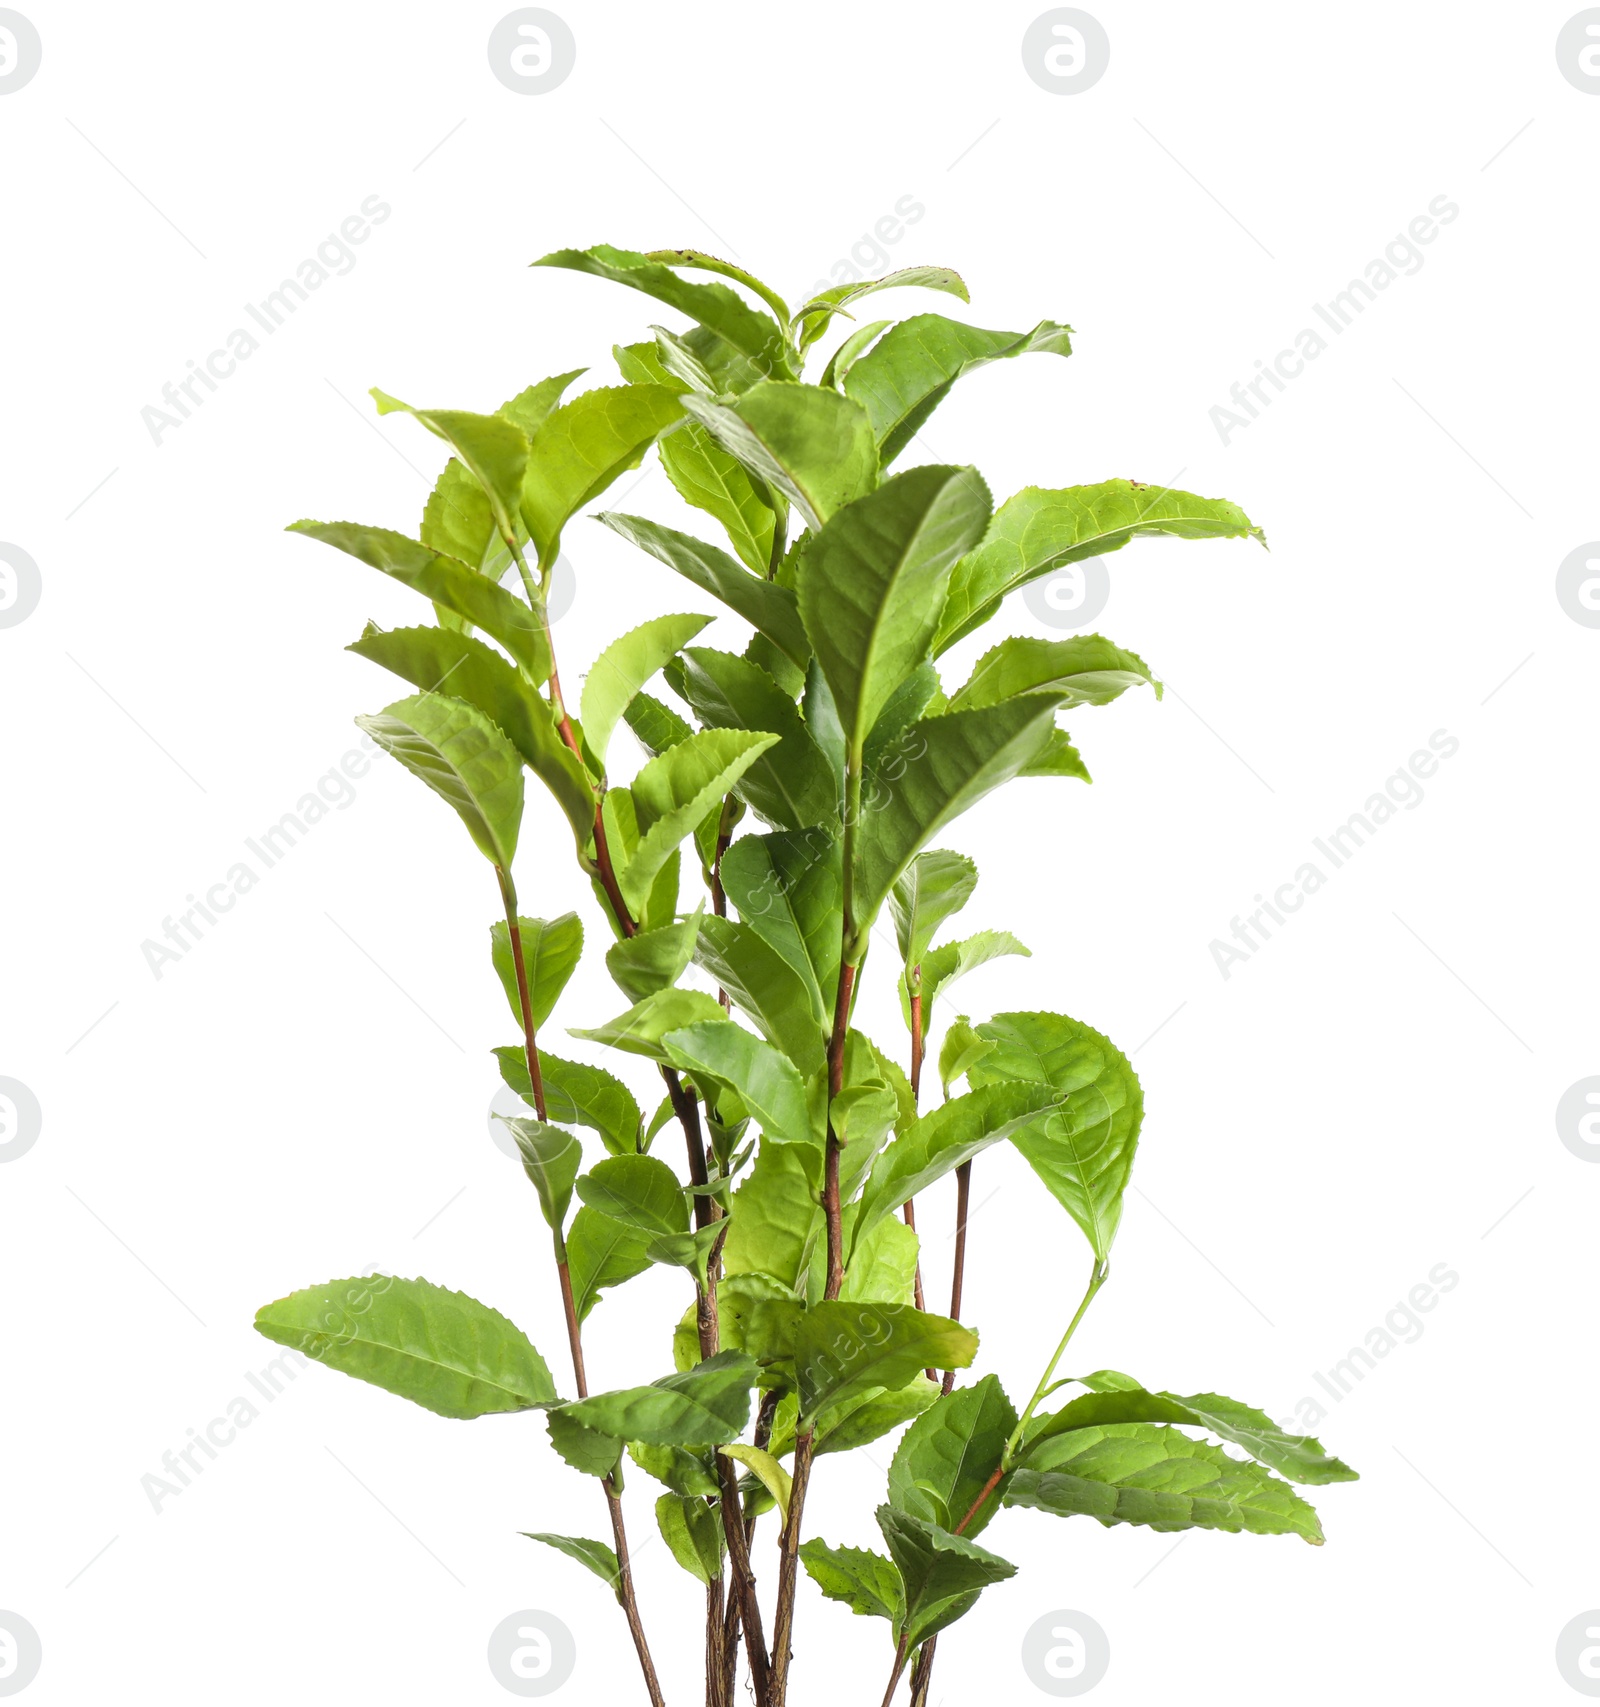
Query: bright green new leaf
pixel 639 1031
pixel 440 1349
pixel 934 887
pixel 657 726
pixel 551 1159
pixel 787 888
pixel 464 759
pixel 842 1349
pixel 767 1082
pixel 872 582
pixel 942 1573
pixel 577 1094
pixel 815 316
pixel 712 480
pixel 698 260
pixel 692 1531
pixel 942 966
pixel 908 373
pixel 653 960
pixel 707 1406
pixel 850 352
pixel 962 1049
pixel 1085 669
pixel 945 1459
pixel 1057 757
pixel 494 451
pixel 866 1582
pixel 643 1194
pixel 766 987
pixel 775 1215
pixel 767 1470
pixel 624 667
pixel 550 952
pixel 592 1555
pixel 532 405
pixel 602 1253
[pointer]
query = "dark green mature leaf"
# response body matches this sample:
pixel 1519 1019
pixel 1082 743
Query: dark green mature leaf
pixel 577 1094
pixel 683 1471
pixel 866 1582
pixel 706 476
pixel 602 1253
pixel 582 447
pixel 624 667
pixel 641 1028
pixel 723 311
pixel 454 585
pixel 1041 529
pixel 707 1406
pixel 1084 1149
pixel 1086 669
pixel 815 316
pixel 440 1349
pixel 653 960
pixel 587 1450
pixel 592 1555
pixel 813 445
pixel 768 608
pixel 791 785
pixel 788 888
pixel 464 759
pixel 952 960
pixel 942 1573
pixel 766 1081
pixel 493 449
pixel 644 1195
pixel 775 1215
pixel 910 370
pixel 551 1159
pixel 844 1349
pixel 551 949
pixel 948 1454
pixel 692 1531
pixel 872 582
pixel 945 1138
pixel 946 765
pixel 766 987
pixel 934 887
pixel 1149 1474
pixel 1300 1457
pixel 675 791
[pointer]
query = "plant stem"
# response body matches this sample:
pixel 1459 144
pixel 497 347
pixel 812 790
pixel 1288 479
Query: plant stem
pixel 1097 1279
pixel 894 1676
pixel 909 1211
pixel 530 1043
pixel 789 1561
pixel 959 1271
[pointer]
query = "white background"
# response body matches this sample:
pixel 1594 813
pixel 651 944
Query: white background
pixel 304 1094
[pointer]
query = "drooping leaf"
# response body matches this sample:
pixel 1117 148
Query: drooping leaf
pixel 641 1028
pixel 706 476
pixel 707 1406
pixel 551 949
pixel 1085 669
pixel 494 451
pixel 866 1582
pixel 602 1253
pixel 934 887
pixel 765 606
pixel 592 1555
pixel 948 1454
pixel 1084 1149
pixel 577 1094
pixel 872 582
pixel 841 1349
pixel 653 960
pixel 787 888
pixel 767 1470
pixel 942 1573
pixel 551 1159
pixel 908 373
pixel 464 759
pixel 692 1531
pixel 1041 529
pixel 766 987
pixel 440 1349
pixel 697 260
pixel 813 445
pixel 942 966
pixel 624 667
pixel 1150 1474
pixel 767 1082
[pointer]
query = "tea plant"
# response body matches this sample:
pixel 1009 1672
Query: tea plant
pixel 803 781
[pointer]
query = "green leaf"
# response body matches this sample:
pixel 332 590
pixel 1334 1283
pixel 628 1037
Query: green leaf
pixel 942 767
pixel 934 887
pixel 493 449
pixel 706 476
pixel 1085 669
pixel 531 406
pixel 707 1406
pixel 767 1470
pixel 850 351
pixel 1153 1475
pixel 683 1471
pixel 692 1531
pixel 961 1050
pixel 860 1421
pixel 788 889
pixel 791 785
pixel 942 1573
pixel 440 1349
pixel 644 1195
pixel 623 668
pixel 766 987
pixel 657 726
pixel 640 1030
pixel 775 1215
pixel 698 259
pixel 653 960
pixel 551 949
pixel 943 1140
pixel 588 1451
pixel 1041 529
pixel 908 373
pixel 872 582
pixel 577 1094
pixel 602 1253
pixel 724 311
pixel 807 442
pixel 454 585
pixel 766 1082
pixel 866 1582
pixel 675 791
pixel 953 960
pixel 464 759
pixel 458 521
pixel 640 364
pixel 1057 757
pixel 1084 1149
pixel 581 449
pixel 883 1269
pixel 948 1454
pixel 843 1349
pixel 592 1555
pixel 768 608
pixel 815 316
pixel 551 1159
